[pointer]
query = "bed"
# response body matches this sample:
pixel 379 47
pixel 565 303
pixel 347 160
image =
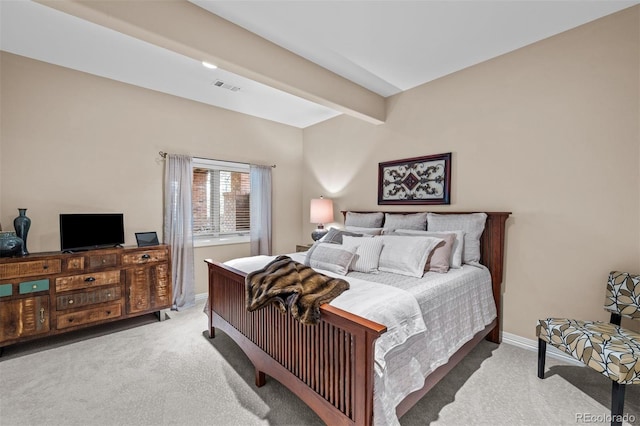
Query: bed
pixel 335 366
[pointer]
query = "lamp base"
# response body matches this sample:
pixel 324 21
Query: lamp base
pixel 318 233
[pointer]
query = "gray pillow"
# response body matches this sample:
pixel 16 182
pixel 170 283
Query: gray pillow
pixel 393 221
pixel 365 231
pixel 335 236
pixel 330 257
pixel 364 220
pixel 472 224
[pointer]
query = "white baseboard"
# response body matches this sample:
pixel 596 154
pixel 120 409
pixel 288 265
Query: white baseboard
pixel 201 296
pixel 532 345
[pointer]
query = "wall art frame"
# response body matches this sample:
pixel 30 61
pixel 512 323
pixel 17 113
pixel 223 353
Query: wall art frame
pixel 418 180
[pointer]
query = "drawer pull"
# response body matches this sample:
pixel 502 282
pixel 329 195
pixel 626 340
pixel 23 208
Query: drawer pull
pixel 104 260
pixel 146 256
pixel 108 312
pixel 45 267
pixel 71 302
pixel 42 316
pixel 89 279
pixel 35 286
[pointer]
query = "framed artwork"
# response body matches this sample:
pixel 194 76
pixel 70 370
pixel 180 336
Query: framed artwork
pixel 420 180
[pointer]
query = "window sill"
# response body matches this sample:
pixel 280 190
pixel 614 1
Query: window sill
pixel 220 241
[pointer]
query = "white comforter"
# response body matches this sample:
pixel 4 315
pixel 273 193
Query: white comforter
pixel 427 320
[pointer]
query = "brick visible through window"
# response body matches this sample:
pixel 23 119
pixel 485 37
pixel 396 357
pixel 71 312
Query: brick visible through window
pixel 220 200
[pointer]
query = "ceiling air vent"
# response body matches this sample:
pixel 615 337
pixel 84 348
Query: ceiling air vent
pixel 222 84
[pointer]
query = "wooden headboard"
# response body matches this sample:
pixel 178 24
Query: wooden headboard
pixel 491 250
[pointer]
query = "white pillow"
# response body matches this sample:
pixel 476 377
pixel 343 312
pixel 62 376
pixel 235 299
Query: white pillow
pixel 330 257
pixel 456 254
pixel 406 255
pixel 472 224
pixel 367 253
pixel 368 231
pixel 393 221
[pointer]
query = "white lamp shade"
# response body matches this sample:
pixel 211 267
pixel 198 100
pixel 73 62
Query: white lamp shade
pixel 321 211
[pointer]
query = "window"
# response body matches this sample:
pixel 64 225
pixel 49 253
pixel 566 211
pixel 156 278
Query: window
pixel 220 201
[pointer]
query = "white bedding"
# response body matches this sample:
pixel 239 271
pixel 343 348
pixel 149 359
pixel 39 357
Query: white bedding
pixel 428 319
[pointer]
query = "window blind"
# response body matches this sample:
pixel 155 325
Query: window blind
pixel 220 198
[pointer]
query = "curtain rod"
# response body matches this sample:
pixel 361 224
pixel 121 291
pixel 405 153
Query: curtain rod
pixel 164 155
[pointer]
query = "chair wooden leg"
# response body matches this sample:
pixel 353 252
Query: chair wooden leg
pixel 617 403
pixel 615 318
pixel 542 354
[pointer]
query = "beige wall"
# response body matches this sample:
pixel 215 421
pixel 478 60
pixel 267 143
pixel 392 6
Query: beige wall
pixel 73 142
pixel 548 132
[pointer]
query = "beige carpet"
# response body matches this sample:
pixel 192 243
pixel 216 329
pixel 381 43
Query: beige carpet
pixel 145 372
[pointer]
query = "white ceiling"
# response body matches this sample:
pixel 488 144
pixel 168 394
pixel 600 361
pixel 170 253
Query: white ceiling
pixel 385 46
pixel 392 46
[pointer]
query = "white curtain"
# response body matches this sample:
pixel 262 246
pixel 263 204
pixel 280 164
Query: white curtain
pixel 260 205
pixel 178 230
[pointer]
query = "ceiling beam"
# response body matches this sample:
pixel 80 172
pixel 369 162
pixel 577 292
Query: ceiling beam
pixel 185 28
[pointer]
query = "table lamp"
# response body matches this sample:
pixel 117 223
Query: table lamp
pixel 320 212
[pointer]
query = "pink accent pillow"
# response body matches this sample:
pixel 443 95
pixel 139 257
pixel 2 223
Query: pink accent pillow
pixel 438 260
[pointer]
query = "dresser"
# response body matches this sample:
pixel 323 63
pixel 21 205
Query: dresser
pixel 45 294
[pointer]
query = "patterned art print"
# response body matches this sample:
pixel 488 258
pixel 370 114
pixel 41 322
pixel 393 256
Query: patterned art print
pixel 420 180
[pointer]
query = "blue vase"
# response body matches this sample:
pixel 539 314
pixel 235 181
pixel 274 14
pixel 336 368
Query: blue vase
pixel 22 224
pixel 10 244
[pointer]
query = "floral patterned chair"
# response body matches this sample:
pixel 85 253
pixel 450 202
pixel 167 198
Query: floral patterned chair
pixel 605 347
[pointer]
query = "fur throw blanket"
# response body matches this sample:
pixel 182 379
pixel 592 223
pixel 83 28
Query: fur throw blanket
pixel 285 282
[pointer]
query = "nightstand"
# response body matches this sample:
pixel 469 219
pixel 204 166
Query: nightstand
pixel 303 247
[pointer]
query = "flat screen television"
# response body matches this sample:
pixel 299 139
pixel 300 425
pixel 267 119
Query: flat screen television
pixel 86 231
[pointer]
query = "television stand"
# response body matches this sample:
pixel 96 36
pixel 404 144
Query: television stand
pixel 44 294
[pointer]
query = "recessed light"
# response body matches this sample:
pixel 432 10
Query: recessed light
pixel 209 65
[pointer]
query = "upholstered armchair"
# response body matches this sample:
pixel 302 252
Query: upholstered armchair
pixel 605 347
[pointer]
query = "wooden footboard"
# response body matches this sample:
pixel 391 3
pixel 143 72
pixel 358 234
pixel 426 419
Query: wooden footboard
pixel 329 366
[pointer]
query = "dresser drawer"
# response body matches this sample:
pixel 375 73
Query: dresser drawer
pixel 73 319
pixel 103 260
pixel 6 290
pixel 75 263
pixel 29 269
pixel 104 294
pixel 34 286
pixel 79 282
pixel 142 257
